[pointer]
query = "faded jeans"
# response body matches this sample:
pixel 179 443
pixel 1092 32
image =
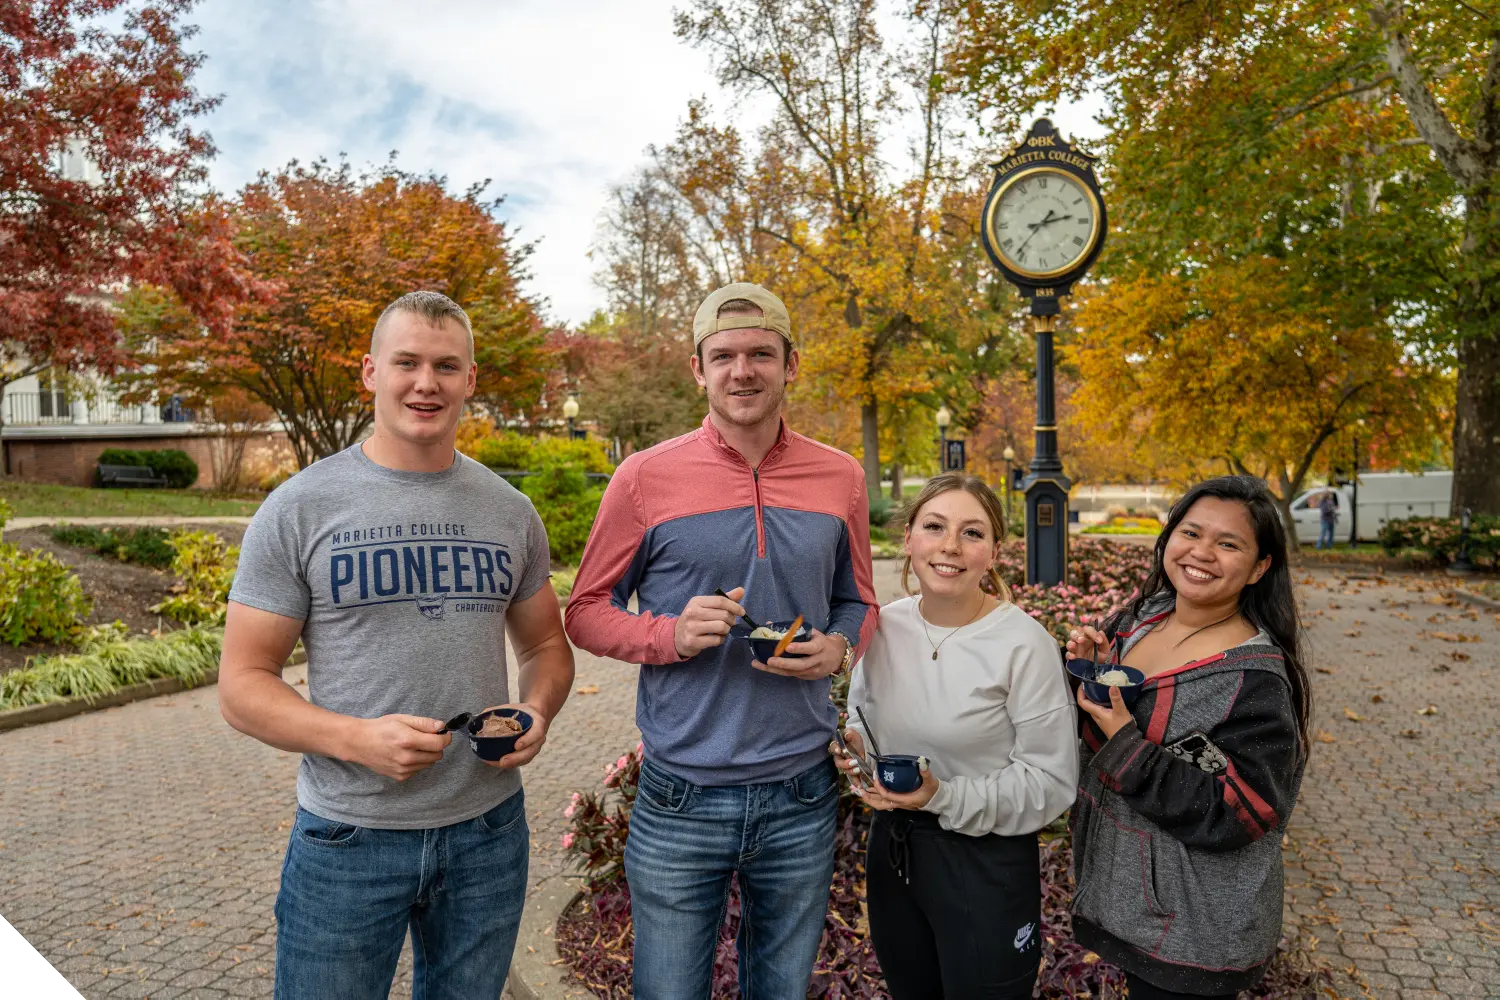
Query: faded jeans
pixel 1325 534
pixel 349 893
pixel 687 840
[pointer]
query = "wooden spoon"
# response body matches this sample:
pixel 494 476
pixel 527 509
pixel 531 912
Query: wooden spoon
pixel 789 638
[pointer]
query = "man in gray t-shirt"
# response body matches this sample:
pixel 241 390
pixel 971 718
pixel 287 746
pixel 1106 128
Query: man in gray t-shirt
pixel 402 566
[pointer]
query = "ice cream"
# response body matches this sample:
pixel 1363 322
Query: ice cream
pixel 1114 678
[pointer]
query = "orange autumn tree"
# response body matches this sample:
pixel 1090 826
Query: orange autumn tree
pixel 1232 369
pixel 336 248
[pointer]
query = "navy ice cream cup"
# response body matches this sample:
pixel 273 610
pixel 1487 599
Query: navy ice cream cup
pixel 494 747
pixel 764 649
pixel 1085 671
pixel 899 772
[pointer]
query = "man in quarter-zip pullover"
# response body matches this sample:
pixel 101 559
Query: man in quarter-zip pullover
pixel 736 778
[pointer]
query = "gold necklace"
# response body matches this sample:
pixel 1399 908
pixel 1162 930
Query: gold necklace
pixel 950 635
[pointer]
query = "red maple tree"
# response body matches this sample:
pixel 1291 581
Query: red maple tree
pixel 99 164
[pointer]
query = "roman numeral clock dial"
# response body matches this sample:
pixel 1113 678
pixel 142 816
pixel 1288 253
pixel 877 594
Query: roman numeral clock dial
pixel 1043 222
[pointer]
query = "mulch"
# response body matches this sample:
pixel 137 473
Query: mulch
pixel 120 590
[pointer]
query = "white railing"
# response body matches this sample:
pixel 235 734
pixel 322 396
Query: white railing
pixel 34 409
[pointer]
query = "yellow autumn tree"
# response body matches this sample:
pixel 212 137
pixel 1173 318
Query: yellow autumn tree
pixel 1233 368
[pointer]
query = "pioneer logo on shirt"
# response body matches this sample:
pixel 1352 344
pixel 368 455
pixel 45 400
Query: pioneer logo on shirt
pixel 439 567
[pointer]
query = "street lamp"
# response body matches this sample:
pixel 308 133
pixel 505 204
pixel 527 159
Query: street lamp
pixel 943 418
pixel 570 410
pixel 1354 488
pixel 1010 456
pixel 1461 566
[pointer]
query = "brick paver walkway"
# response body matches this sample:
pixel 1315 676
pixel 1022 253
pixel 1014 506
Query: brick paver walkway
pixel 1396 841
pixel 140 847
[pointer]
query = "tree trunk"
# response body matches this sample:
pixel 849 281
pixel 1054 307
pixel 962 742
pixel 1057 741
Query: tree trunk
pixel 896 473
pixel 869 423
pixel 1476 418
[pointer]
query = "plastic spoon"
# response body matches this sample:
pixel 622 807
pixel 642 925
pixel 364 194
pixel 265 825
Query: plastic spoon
pixel 456 723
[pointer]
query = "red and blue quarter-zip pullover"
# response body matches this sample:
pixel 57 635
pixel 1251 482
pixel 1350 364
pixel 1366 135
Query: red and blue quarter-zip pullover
pixel 690 516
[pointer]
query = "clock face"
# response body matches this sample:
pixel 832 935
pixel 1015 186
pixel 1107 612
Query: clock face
pixel 1044 222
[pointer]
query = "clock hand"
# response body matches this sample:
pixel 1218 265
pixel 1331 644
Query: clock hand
pixel 1035 228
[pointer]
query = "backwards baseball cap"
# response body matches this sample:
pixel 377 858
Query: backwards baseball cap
pixel 773 313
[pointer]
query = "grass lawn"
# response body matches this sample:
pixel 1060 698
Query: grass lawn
pixel 46 500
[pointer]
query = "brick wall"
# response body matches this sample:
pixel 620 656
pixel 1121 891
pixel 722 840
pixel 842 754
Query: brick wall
pixel 71 462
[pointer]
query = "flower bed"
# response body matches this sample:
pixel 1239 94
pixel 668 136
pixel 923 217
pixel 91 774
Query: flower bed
pixel 595 937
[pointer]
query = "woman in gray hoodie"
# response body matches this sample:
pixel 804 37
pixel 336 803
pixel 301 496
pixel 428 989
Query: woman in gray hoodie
pixel 1183 798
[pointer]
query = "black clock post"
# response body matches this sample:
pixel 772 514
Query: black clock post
pixel 1043 156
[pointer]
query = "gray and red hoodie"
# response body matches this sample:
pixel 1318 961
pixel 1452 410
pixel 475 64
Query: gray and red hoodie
pixel 690 516
pixel 1178 823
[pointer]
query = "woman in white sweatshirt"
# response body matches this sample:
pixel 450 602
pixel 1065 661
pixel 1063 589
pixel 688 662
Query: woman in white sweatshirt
pixel 963 677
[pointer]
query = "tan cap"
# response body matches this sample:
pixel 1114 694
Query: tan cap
pixel 773 313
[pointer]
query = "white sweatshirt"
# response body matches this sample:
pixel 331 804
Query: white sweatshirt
pixel 992 715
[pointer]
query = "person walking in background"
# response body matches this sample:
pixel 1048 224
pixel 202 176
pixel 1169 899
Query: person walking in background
pixel 402 566
pixel 1328 518
pixel 962 676
pixel 1184 798
pixel 735 781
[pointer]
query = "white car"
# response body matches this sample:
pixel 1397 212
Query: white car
pixel 1383 496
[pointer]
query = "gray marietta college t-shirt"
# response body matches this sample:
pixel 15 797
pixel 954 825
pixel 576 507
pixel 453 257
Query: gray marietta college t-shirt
pixel 402 580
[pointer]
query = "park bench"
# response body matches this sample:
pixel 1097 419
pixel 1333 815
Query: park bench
pixel 129 475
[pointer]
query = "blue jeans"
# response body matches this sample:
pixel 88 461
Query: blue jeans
pixel 1325 534
pixel 687 840
pixel 348 894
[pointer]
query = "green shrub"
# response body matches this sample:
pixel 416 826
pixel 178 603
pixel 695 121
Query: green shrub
pixel 505 450
pixel 205 565
pixel 1439 537
pixel 509 450
pixel 179 470
pixel 110 660
pixel 40 598
pixel 144 546
pixel 6 513
pixel 567 504
pixel 882 509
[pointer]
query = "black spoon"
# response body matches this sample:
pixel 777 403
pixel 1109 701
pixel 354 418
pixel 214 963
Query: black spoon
pixel 748 620
pixel 457 722
pixel 874 743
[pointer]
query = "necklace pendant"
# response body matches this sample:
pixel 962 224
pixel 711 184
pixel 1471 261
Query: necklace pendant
pixel 934 654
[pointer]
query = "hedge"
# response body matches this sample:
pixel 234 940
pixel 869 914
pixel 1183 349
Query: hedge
pixel 1439 537
pixel 179 470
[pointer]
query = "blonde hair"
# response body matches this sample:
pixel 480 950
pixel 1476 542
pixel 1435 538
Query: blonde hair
pixel 435 307
pixel 993 583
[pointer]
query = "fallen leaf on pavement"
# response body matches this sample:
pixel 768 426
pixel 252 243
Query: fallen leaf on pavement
pixel 1353 716
pixel 1376 699
pixel 1429 710
pixel 589 689
pixel 1452 637
pixel 1325 737
pixel 1411 734
pixel 1458 655
pixel 1352 633
pixel 1324 670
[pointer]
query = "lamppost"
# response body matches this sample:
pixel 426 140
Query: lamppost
pixel 943 419
pixel 570 410
pixel 1354 488
pixel 1010 456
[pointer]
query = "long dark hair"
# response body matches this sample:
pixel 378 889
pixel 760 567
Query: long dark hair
pixel 1267 604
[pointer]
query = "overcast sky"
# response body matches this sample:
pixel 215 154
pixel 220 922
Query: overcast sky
pixel 553 101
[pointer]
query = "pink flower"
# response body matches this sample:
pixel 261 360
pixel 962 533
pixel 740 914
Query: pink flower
pixel 567 840
pixel 577 797
pixel 640 748
pixel 568 812
pixel 622 762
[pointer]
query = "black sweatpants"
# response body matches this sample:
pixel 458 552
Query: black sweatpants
pixel 1142 990
pixel 953 916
